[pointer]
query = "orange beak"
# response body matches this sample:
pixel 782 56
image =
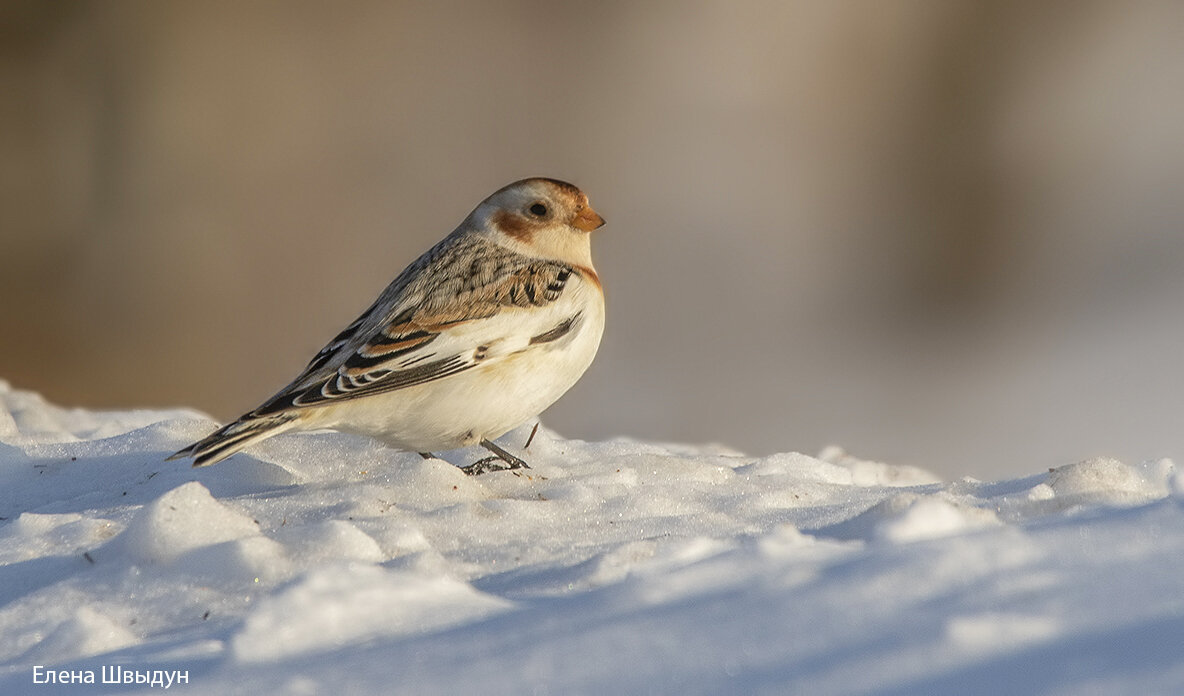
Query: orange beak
pixel 587 219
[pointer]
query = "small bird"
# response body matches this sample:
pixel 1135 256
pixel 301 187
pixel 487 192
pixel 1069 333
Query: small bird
pixel 476 337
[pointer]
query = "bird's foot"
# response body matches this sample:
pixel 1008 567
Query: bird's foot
pixel 500 460
pixel 486 465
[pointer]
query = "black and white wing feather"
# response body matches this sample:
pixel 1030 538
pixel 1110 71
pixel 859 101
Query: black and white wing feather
pixel 463 303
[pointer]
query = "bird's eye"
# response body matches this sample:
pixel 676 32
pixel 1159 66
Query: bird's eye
pixel 538 210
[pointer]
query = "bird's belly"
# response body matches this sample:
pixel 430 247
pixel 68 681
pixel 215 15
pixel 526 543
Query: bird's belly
pixel 480 403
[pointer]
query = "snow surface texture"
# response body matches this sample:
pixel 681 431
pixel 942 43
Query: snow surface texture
pixel 326 563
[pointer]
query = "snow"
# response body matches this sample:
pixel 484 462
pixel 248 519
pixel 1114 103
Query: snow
pixel 327 563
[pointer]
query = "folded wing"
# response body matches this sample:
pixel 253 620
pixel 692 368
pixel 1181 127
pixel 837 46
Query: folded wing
pixel 456 326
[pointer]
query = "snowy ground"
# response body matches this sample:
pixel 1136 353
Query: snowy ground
pixel 325 563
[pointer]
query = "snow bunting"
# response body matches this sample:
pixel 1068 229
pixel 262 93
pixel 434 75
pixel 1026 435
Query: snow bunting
pixel 473 339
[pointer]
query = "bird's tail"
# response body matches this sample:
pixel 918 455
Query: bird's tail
pixel 236 436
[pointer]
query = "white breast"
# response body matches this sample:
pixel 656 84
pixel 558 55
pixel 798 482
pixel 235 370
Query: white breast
pixel 516 381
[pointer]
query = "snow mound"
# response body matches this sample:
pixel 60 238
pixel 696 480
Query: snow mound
pixel 335 607
pixel 994 632
pixel 324 562
pixel 1109 480
pixel 184 519
pixel 911 518
pixel 85 633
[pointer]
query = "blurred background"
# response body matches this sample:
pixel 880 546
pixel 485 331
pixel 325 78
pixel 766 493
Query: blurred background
pixel 947 234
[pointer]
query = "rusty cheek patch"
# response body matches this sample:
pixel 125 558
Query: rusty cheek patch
pixel 515 226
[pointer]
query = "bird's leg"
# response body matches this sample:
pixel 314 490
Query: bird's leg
pixel 514 462
pixel 428 455
pixel 500 461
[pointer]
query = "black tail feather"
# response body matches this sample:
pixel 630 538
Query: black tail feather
pixel 236 436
